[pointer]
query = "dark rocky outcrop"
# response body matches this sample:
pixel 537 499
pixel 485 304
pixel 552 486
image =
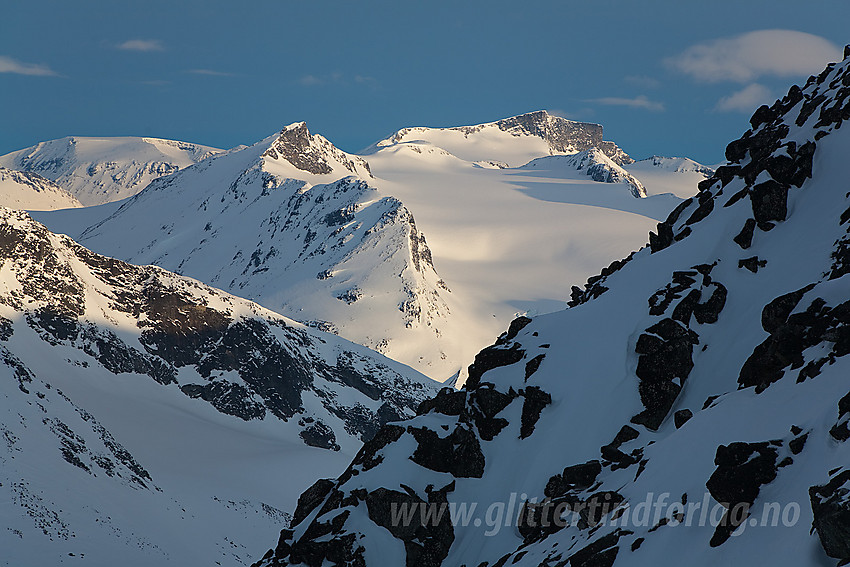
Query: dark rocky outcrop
pixel 664 362
pixel 311 498
pixel 573 478
pixel 841 430
pixel 742 468
pixel 458 453
pixel 831 510
pixel 535 400
pixel 793 333
pixel 426 543
pixel 492 357
pixel 681 417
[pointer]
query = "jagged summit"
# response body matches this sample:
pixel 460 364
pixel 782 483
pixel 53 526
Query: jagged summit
pixel 716 395
pixel 514 140
pixel 311 153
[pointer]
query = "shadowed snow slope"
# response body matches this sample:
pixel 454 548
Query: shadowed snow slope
pixel 101 170
pixel 147 417
pixel 691 406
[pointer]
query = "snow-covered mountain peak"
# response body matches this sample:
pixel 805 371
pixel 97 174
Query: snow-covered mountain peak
pixel 594 163
pixel 101 170
pixel 514 141
pixel 677 164
pixel 291 223
pixel 312 153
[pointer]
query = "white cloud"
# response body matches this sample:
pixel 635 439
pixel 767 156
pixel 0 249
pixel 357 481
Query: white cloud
pixel 310 81
pixel 744 58
pixel 10 65
pixel 142 45
pixel 637 102
pixel 745 100
pixel 209 72
pixel 336 78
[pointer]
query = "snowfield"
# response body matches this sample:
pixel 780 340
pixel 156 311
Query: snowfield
pixel 421 254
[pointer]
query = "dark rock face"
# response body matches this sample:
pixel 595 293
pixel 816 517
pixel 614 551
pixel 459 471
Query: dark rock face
pixel 663 366
pixel 490 358
pixel 681 417
pixel 535 400
pixel 769 201
pixel 574 478
pixel 309 153
pixel 562 134
pixel 426 542
pixel 594 288
pixel 831 511
pixel 317 434
pixel 742 468
pixel 840 431
pixel 791 334
pixel 458 453
pixel 752 264
pixel 448 401
pixel 744 239
pixel 600 553
pixel 311 498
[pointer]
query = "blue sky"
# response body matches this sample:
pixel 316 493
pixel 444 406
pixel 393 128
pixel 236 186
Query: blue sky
pixel 662 77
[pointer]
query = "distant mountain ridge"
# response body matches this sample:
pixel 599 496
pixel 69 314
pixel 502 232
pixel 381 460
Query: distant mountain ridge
pixel 556 135
pixel 101 170
pixel 321 236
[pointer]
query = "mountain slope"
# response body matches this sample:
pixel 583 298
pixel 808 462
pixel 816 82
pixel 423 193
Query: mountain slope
pixel 24 190
pixel 101 170
pixel 149 417
pixel 691 406
pixel 290 223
